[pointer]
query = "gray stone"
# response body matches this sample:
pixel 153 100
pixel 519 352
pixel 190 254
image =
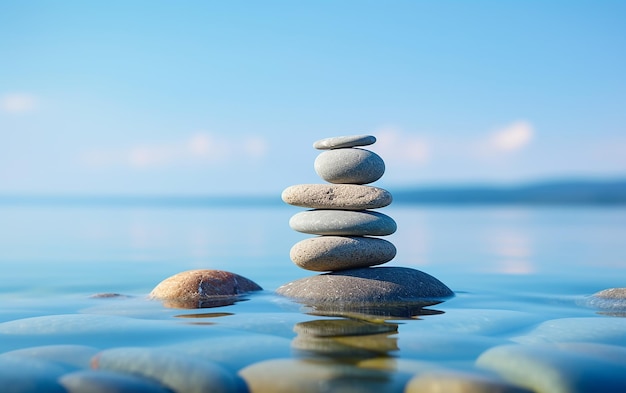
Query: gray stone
pixel 176 371
pixel 90 381
pixel 202 288
pixel 557 368
pixel 336 196
pixel 343 223
pixel 329 253
pixel 344 141
pixel 372 345
pixel 368 287
pixel 349 166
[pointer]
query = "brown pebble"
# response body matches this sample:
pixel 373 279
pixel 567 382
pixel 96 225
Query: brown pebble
pixel 202 288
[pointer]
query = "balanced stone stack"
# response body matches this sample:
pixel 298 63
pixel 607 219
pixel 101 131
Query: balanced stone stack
pixel 347 246
pixel 341 212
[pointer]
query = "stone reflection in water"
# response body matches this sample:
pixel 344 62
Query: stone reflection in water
pixel 355 337
pixel 345 338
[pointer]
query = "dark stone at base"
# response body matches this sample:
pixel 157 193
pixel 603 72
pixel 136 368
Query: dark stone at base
pixel 368 289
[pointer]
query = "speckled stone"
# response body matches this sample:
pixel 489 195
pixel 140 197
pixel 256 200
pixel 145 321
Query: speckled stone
pixel 329 253
pixel 178 372
pixel 343 223
pixel 559 368
pixel 349 166
pixel 610 301
pixel 338 142
pixel 336 196
pixel 377 286
pixel 90 381
pixel 202 288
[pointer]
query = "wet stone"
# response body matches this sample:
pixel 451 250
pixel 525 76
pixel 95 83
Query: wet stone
pixel 329 253
pixel 314 376
pixel 336 196
pixel 377 287
pixel 73 356
pixel 555 368
pixel 344 141
pixel 202 288
pixel 23 375
pixel 176 371
pixel 349 166
pixel 343 223
pixel 342 327
pixel 90 381
pixel 457 381
pixel 611 301
pixel 596 329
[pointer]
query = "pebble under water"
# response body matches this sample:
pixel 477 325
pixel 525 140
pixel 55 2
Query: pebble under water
pixel 76 317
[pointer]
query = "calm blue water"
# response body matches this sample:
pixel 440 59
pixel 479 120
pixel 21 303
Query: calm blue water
pixel 511 267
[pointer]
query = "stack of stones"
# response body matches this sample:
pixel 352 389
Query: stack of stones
pixel 347 246
pixel 341 212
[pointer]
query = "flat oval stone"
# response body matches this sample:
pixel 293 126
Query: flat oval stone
pixel 337 142
pixel 379 286
pixel 328 253
pixel 202 288
pixel 176 371
pixel 336 196
pixel 343 223
pixel 109 382
pixel 349 166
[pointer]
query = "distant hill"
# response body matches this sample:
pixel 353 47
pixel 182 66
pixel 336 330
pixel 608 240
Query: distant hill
pixel 574 192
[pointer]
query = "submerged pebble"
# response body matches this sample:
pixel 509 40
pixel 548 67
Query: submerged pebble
pixel 176 371
pixel 90 381
pixel 552 368
pixel 610 301
pixel 452 381
pixel 314 376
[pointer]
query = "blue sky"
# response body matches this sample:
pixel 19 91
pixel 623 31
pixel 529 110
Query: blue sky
pixel 201 97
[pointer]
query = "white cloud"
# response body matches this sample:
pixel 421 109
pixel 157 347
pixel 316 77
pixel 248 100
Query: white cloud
pixel 513 137
pixel 200 149
pixel 18 103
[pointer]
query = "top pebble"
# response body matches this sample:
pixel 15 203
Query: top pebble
pixel 340 142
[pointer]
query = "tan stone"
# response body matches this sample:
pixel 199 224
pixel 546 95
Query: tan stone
pixel 336 196
pixel 202 288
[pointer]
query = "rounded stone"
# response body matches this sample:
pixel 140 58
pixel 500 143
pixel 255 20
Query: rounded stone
pixel 336 196
pixel 610 301
pixel 90 381
pixel 202 288
pixel 338 142
pixel 343 327
pixel 343 223
pixel 176 371
pixel 314 376
pixel 378 286
pixel 349 166
pixel 330 253
pixel 460 381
